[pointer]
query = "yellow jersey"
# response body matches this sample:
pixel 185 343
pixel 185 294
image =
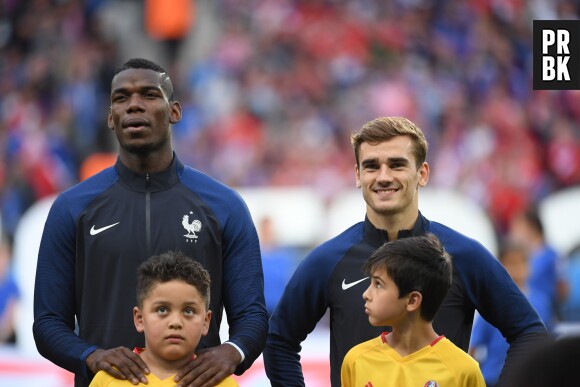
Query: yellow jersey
pixel 375 363
pixel 103 379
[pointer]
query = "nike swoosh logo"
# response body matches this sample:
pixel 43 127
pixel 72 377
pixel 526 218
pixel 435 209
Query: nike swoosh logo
pixel 350 285
pixel 95 231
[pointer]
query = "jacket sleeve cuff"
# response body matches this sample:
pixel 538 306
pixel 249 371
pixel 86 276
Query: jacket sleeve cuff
pixel 87 372
pixel 238 349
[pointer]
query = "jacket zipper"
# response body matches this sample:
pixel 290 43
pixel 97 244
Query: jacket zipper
pixel 148 213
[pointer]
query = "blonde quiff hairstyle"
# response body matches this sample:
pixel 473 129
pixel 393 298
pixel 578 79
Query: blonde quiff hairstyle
pixel 386 128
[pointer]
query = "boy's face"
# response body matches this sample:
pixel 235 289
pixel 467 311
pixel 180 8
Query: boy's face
pixel 383 305
pixel 173 318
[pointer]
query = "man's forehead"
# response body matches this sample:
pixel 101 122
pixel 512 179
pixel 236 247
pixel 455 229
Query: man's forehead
pixel 390 149
pixel 145 76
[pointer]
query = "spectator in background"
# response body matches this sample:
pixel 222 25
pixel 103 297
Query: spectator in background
pixel 95 163
pixel 527 229
pixel 169 21
pixel 9 294
pixel 487 345
pixel 278 262
pixel 570 303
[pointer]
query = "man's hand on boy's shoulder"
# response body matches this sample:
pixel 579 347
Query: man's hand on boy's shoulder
pixel 120 362
pixel 210 367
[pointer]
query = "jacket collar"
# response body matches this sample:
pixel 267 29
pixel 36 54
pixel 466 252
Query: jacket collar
pixel 378 237
pixel 158 181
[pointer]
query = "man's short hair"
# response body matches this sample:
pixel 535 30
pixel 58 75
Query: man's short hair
pixel 146 64
pixel 386 128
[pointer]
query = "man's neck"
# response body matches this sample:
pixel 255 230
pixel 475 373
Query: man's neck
pixel 392 224
pixel 150 163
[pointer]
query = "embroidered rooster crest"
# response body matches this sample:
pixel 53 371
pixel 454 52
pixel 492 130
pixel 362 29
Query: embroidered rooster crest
pixel 191 228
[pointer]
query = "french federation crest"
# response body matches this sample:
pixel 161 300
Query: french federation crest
pixel 191 228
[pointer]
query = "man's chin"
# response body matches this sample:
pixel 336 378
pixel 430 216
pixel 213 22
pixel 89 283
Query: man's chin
pixel 387 210
pixel 138 149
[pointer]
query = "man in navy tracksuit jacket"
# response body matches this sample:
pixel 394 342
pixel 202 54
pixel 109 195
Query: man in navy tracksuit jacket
pixel 98 232
pixel 390 157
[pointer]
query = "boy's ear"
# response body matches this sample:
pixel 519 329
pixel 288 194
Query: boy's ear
pixel 206 323
pixel 138 319
pixel 414 301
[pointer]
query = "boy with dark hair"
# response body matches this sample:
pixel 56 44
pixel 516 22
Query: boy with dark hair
pixel 172 311
pixel 409 279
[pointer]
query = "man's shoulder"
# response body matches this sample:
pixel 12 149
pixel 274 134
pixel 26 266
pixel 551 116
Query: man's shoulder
pixel 93 184
pixel 455 242
pixel 207 186
pixel 76 198
pixel 339 244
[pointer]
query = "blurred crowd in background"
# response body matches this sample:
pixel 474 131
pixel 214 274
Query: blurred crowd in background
pixel 272 89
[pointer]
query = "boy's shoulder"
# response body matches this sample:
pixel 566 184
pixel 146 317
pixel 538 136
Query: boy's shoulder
pixel 462 364
pixel 228 382
pixel 447 350
pixel 103 379
pixel 364 348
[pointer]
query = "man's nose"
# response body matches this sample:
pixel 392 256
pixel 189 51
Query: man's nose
pixel 135 103
pixel 385 173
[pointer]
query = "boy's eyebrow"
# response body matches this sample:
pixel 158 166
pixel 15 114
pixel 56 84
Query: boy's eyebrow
pixel 377 277
pixel 168 301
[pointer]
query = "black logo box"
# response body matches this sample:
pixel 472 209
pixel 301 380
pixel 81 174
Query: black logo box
pixel 573 28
